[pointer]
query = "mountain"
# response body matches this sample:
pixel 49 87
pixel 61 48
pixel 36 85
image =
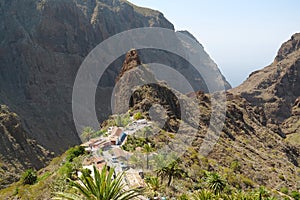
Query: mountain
pixel 275 88
pixel 42 45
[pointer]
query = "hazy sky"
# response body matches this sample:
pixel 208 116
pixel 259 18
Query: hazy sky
pixel 240 36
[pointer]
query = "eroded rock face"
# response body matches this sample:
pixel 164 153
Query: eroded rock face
pixel 276 87
pixel 17 151
pixel 292 124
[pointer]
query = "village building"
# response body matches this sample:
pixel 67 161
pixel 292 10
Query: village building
pixel 117 136
pixel 133 179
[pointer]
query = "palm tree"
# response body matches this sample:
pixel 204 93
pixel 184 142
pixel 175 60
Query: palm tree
pixel 100 187
pixel 172 170
pixel 147 149
pixel 215 182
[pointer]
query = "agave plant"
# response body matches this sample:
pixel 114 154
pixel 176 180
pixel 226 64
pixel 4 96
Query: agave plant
pixel 102 186
pixel 203 195
pixel 215 182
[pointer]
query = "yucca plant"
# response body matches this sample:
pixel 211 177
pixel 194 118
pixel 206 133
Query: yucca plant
pixel 102 186
pixel 215 182
pixel 203 195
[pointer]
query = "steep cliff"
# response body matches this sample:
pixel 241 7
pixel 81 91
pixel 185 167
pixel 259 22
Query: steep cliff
pixel 42 44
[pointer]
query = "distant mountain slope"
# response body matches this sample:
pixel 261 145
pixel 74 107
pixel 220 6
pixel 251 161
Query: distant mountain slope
pixel 276 87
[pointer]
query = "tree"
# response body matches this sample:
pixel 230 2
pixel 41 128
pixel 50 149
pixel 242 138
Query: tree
pixel 147 149
pixel 171 171
pixel 100 187
pixel 29 177
pixel 215 182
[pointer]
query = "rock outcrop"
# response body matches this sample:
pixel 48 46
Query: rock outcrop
pixel 132 60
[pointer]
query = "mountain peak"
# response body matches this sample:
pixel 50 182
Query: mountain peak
pixel 132 60
pixel 288 47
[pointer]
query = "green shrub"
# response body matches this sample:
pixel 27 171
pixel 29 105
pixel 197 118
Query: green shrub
pixel 248 182
pixel 29 177
pixel 281 177
pixel 74 152
pixel 66 170
pixel 138 116
pixel 184 197
pixel 215 182
pixel 295 195
pixel 235 166
pixel 284 190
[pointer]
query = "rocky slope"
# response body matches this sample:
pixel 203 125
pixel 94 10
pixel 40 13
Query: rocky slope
pixel 263 157
pixel 276 87
pixel 17 151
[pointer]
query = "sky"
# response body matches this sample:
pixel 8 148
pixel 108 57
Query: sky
pixel 240 36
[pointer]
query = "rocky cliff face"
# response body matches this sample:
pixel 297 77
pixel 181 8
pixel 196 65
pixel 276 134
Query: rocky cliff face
pixel 276 87
pixel 42 46
pixel 17 151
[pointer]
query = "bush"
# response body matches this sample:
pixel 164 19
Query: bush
pixel 138 116
pixel 284 190
pixel 295 195
pixel 29 177
pixel 66 170
pixel 235 166
pixel 74 152
pixel 248 182
pixel 281 177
